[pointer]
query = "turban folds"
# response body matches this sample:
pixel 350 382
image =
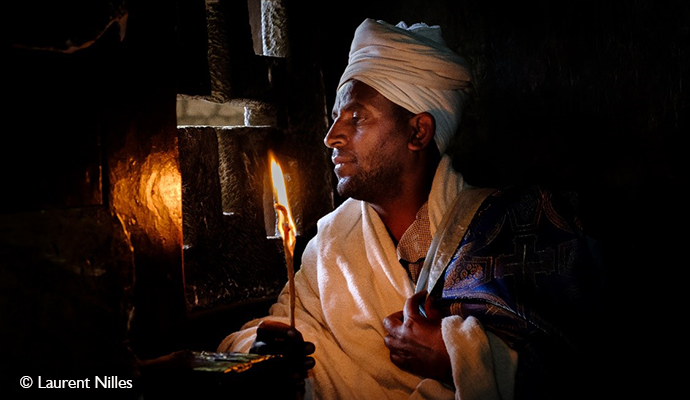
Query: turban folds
pixel 412 67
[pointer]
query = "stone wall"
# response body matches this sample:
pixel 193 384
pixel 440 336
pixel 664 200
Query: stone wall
pixel 232 254
pixel 124 236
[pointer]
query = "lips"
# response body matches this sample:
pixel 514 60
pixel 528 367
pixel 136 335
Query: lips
pixel 339 159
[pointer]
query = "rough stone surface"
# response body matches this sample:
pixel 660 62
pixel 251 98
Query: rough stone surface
pixel 235 71
pixel 274 28
pixel 229 258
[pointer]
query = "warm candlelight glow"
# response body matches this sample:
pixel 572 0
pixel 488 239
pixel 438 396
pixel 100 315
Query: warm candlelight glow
pixel 286 227
pixel 280 196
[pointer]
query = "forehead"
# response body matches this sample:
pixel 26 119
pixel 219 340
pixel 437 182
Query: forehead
pixel 356 93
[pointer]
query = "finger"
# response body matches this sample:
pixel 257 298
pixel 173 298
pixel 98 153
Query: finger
pixel 412 304
pixel 277 331
pixel 399 359
pixel 393 321
pixel 396 358
pixel 393 343
pixel 308 364
pixel 258 348
pixel 294 335
pixel 389 341
pixel 282 347
pixel 271 329
pixel 264 348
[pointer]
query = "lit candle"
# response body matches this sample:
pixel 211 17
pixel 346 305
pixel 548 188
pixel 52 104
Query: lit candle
pixel 287 229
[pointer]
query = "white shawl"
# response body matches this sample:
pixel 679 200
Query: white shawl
pixel 349 281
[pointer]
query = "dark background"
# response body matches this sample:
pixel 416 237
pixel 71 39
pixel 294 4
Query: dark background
pixel 590 96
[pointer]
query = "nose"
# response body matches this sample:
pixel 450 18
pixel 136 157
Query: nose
pixel 335 137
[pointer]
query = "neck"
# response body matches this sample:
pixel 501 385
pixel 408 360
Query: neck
pixel 399 213
pixel 398 217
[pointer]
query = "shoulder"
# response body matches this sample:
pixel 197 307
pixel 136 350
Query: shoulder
pixel 333 228
pixel 343 219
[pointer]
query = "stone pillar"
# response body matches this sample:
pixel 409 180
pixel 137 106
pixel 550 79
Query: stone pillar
pixel 274 29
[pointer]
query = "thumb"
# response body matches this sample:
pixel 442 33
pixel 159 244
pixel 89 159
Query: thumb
pixel 414 303
pixel 430 309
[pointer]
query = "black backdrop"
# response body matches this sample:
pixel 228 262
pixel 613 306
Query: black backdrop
pixel 588 95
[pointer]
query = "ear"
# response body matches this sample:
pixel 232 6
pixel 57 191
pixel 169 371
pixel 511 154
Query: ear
pixel 423 130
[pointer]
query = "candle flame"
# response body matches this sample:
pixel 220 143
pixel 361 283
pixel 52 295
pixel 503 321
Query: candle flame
pixel 286 224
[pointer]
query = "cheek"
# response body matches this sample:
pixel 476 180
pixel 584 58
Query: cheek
pixel 379 142
pixel 382 140
pixel 381 157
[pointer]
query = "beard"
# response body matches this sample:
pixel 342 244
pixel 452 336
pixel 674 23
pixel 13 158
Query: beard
pixel 380 181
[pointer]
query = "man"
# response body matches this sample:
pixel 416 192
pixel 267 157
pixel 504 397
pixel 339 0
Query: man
pixel 419 285
pixel 397 108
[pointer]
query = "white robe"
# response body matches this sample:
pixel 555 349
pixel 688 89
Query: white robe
pixel 350 279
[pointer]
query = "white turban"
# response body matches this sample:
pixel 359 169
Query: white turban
pixel 412 67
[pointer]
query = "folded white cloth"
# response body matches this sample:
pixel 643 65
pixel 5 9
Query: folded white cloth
pixel 414 68
pixel 349 281
pixel 484 366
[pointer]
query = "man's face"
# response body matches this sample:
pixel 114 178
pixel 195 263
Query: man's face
pixel 369 139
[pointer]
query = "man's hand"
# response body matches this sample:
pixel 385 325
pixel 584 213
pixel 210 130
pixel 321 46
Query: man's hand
pixel 278 338
pixel 416 343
